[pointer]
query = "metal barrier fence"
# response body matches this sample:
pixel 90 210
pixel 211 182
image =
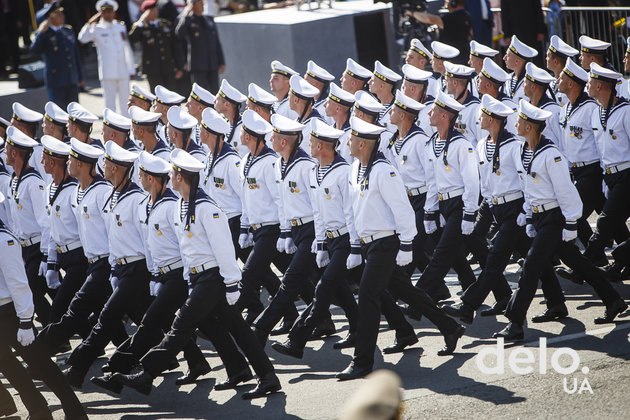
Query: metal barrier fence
pixel 609 24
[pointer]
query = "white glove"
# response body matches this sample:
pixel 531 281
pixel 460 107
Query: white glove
pixel 52 279
pixel 322 258
pixel 430 226
pixel 289 245
pixel 404 258
pixel 280 245
pixel 245 240
pixel 314 246
pixel 43 267
pixel 529 229
pixel 114 282
pixel 154 287
pixel 354 260
pixel 521 219
pixel 25 336
pixel 568 235
pixel 232 297
pixel 467 227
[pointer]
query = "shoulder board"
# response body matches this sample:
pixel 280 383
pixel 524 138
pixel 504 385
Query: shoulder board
pixel 67 26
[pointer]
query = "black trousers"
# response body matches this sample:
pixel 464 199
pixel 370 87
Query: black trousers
pixel 621 254
pixel 380 262
pixel 37 360
pixel 548 242
pixel 207 79
pixel 611 223
pixel 422 243
pixel 205 306
pixel 261 256
pixel 32 257
pixel 131 298
pixel 449 251
pixel 155 324
pixel 269 280
pixel 588 181
pixel 75 266
pixel 87 302
pixel 165 79
pixel 507 238
pixel 63 95
pixel 332 285
pixel 297 279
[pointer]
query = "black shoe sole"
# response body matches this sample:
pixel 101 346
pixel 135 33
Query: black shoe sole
pixel 263 393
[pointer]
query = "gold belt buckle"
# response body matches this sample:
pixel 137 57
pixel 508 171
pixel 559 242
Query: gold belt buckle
pixel 255 227
pixel 608 171
pixel 362 240
pixel 495 200
pixel 441 197
pixel 119 261
pixel 193 270
pixel 161 270
pixel 330 234
pixel 409 193
pixel 535 209
pixel 294 222
pixel 59 249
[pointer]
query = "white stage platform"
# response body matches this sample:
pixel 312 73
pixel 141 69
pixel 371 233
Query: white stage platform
pixel 360 30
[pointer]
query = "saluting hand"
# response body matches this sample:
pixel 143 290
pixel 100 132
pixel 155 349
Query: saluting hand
pixel 43 27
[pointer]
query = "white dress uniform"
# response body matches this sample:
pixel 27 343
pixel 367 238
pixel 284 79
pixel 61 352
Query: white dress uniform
pixel 202 240
pixel 13 284
pixel 514 84
pixel 540 77
pixel 390 77
pixel 467 122
pixel 55 115
pixel 578 138
pixel 181 120
pixel 563 50
pixel 482 52
pixel 306 93
pixel 220 179
pixel 332 202
pixel 64 231
pixel 407 156
pixel 444 52
pixel 115 60
pixel 260 193
pixel 282 106
pixel 293 183
pixel 504 184
pixel 122 208
pixel 27 199
pixel 612 129
pixel 323 76
pixel 233 95
pixel 22 113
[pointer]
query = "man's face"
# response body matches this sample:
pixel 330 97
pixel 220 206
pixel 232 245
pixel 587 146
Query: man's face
pixel 160 108
pixel 144 180
pixel 278 142
pixel 512 60
pixel 437 65
pixel 354 144
pixel 175 136
pixel 451 85
pixel 313 82
pixel 221 105
pixel 198 7
pixel 109 133
pixel 435 115
pixel 109 169
pixel 313 145
pixel 176 180
pixel 11 152
pixel 193 107
pixel 564 82
pixel 57 18
pixel 108 14
pixel 475 62
pixel 48 162
pixel 72 128
pixel 396 115
pixel 414 59
pixel 73 167
pixel 135 101
pixel 137 131
pixel 484 121
pixel 549 59
pixel 330 107
pixel 587 58
pixel 278 84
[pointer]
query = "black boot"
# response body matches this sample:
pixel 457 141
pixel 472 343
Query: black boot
pixel 289 348
pixel 348 342
pixel 194 373
pixel 107 383
pixel 400 344
pixel 141 382
pixel 231 383
pixel 324 329
pixel 551 314
pixel 451 341
pixel 460 310
pixel 269 384
pixel 512 332
pixel 612 311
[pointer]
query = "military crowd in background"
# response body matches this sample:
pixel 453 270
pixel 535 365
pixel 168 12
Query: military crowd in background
pixel 346 185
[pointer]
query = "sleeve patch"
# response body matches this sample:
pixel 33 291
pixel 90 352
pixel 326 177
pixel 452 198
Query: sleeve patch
pixel 41 187
pixel 470 150
pixel 557 159
pixel 215 215
pixel 392 174
pixel 238 163
pixel 10 242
